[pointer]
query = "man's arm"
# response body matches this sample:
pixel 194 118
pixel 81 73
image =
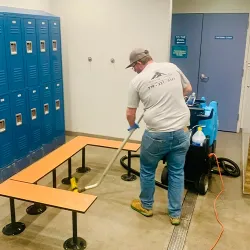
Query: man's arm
pixel 187 89
pixel 131 116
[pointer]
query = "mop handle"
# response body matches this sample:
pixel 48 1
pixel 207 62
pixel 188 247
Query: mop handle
pixel 113 159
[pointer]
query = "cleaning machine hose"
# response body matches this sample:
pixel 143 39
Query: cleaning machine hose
pixel 231 169
pixel 124 158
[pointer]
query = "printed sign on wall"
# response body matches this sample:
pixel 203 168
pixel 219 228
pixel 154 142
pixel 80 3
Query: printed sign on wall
pixel 180 40
pixel 179 51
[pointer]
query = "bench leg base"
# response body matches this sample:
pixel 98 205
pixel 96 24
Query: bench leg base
pixel 13 228
pixel 36 209
pixel 69 244
pixel 127 177
pixel 83 170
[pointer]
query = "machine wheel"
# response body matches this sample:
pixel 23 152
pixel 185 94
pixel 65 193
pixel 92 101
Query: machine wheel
pixel 202 184
pixel 164 176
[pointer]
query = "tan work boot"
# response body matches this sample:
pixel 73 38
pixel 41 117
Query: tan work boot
pixel 137 206
pixel 174 221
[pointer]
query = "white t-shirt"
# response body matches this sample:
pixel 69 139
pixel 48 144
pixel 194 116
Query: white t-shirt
pixel 160 88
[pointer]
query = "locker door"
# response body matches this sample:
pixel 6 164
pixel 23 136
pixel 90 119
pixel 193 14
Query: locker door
pixel 55 45
pixel 20 123
pixel 221 64
pixel 186 43
pixel 14 52
pixel 35 116
pixel 59 109
pixel 30 51
pixel 47 114
pixel 6 142
pixel 44 51
pixel 3 69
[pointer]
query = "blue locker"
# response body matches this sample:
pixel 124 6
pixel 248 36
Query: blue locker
pixel 59 109
pixel 14 51
pixel 20 123
pixel 55 49
pixel 6 146
pixel 47 114
pixel 44 51
pixel 30 52
pixel 3 68
pixel 35 118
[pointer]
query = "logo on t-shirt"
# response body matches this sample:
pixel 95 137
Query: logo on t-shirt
pixel 157 74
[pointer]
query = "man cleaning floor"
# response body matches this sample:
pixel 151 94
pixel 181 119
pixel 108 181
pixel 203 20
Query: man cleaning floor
pixel 161 88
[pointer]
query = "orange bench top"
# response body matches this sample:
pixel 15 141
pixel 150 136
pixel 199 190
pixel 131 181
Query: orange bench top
pixel 53 197
pixel 44 166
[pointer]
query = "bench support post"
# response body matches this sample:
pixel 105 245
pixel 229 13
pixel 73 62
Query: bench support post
pixel 54 178
pixel 129 176
pixel 83 169
pixel 14 228
pixel 67 179
pixel 36 208
pixel 75 242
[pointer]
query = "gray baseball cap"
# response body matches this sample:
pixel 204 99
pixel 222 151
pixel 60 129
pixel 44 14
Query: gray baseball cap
pixel 136 55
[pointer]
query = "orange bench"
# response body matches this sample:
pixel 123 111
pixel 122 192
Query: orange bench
pixel 57 198
pixel 23 186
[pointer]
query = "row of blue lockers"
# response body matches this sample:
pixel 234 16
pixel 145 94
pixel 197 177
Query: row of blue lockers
pixel 30 51
pixel 29 119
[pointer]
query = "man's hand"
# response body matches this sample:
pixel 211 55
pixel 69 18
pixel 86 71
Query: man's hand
pixel 131 116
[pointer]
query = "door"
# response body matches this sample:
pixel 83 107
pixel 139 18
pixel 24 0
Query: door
pixel 219 67
pixel 186 37
pixel 221 64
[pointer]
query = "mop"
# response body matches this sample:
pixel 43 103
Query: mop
pixel 73 180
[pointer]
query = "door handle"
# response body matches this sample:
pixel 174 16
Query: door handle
pixel 204 78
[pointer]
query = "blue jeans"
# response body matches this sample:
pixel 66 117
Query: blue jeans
pixel 154 146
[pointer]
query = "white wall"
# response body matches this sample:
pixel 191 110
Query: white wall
pixel 96 93
pixel 225 6
pixel 43 5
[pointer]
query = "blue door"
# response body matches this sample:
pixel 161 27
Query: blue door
pixel 44 51
pixel 47 114
pixel 14 49
pixel 20 123
pixel 3 69
pixel 185 44
pixel 30 51
pixel 6 145
pixel 216 61
pixel 35 117
pixel 59 109
pixel 55 49
pixel 221 64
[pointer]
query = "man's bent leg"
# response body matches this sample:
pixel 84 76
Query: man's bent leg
pixel 175 163
pixel 151 153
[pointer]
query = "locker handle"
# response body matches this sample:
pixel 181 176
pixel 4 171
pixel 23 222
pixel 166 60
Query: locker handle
pixel 57 104
pixel 2 126
pixel 46 108
pixel 54 45
pixel 33 114
pixel 42 46
pixel 19 120
pixel 29 47
pixel 13 48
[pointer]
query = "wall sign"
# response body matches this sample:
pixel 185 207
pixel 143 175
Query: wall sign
pixel 180 40
pixel 179 51
pixel 224 37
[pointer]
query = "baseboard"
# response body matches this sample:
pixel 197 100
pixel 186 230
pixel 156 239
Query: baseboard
pixel 71 133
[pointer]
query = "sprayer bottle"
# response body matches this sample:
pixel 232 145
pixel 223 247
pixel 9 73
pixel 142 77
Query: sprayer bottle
pixel 198 137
